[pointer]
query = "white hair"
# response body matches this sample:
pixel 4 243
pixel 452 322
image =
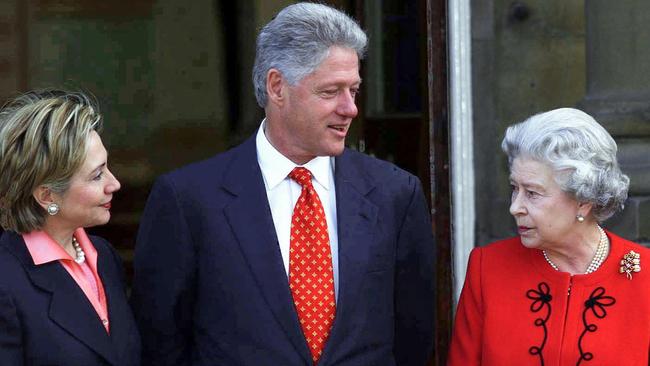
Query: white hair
pixel 581 153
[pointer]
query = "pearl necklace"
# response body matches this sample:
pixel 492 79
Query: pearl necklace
pixel 601 253
pixel 80 256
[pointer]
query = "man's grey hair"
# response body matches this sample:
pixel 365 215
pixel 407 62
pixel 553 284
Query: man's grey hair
pixel 298 39
pixel 579 150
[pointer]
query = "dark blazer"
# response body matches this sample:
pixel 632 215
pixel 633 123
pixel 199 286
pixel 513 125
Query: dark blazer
pixel 210 285
pixel 46 319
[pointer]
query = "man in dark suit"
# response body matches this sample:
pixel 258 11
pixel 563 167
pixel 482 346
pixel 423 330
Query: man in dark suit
pixel 289 249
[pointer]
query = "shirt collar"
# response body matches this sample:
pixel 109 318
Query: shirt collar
pixel 276 167
pixel 43 249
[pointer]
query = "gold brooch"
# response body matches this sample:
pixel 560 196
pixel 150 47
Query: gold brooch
pixel 631 262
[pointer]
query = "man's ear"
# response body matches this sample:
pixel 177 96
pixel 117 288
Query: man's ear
pixel 275 87
pixel 43 196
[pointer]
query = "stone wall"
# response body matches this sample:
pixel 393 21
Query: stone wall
pixel 536 55
pixel 526 58
pixel 618 95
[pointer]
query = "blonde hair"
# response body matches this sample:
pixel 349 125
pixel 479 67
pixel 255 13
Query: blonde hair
pixel 43 138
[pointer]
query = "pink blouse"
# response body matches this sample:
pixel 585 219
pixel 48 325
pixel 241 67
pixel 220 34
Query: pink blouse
pixel 44 249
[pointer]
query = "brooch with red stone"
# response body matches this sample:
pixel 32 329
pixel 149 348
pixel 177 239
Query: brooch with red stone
pixel 631 262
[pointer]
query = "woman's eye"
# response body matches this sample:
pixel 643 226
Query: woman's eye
pixel 98 176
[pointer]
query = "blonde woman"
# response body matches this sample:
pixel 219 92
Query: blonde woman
pixel 62 298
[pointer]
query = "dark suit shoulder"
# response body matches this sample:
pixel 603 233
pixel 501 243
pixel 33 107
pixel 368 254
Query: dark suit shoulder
pixel 207 166
pixel 105 248
pixel 101 244
pixel 8 262
pixel 98 241
pixel 13 261
pixel 373 165
pixel 210 170
pixel 10 242
pixel 377 169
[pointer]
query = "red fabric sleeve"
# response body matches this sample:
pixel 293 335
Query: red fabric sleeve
pixel 467 336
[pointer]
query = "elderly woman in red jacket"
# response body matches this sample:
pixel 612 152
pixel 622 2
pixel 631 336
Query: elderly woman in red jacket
pixel 565 291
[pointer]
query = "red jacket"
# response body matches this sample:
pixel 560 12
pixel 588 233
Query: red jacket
pixel 517 310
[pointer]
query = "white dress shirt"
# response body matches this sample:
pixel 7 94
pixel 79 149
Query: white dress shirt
pixel 283 193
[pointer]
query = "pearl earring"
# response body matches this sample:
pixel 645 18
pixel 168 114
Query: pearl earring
pixel 580 218
pixel 52 209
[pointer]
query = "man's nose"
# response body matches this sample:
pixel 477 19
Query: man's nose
pixel 346 105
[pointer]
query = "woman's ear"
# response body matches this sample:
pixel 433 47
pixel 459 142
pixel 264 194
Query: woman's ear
pixel 43 196
pixel 584 208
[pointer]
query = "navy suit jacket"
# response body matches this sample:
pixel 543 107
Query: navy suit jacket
pixel 210 286
pixel 46 319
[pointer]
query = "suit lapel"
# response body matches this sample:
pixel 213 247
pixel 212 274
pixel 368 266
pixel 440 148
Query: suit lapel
pixel 118 308
pixel 69 307
pixel 249 216
pixel 357 217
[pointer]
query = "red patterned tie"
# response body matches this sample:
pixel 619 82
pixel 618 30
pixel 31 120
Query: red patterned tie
pixel 310 266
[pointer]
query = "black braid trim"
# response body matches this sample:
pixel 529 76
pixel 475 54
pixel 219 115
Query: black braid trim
pixel 541 300
pixel 597 303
